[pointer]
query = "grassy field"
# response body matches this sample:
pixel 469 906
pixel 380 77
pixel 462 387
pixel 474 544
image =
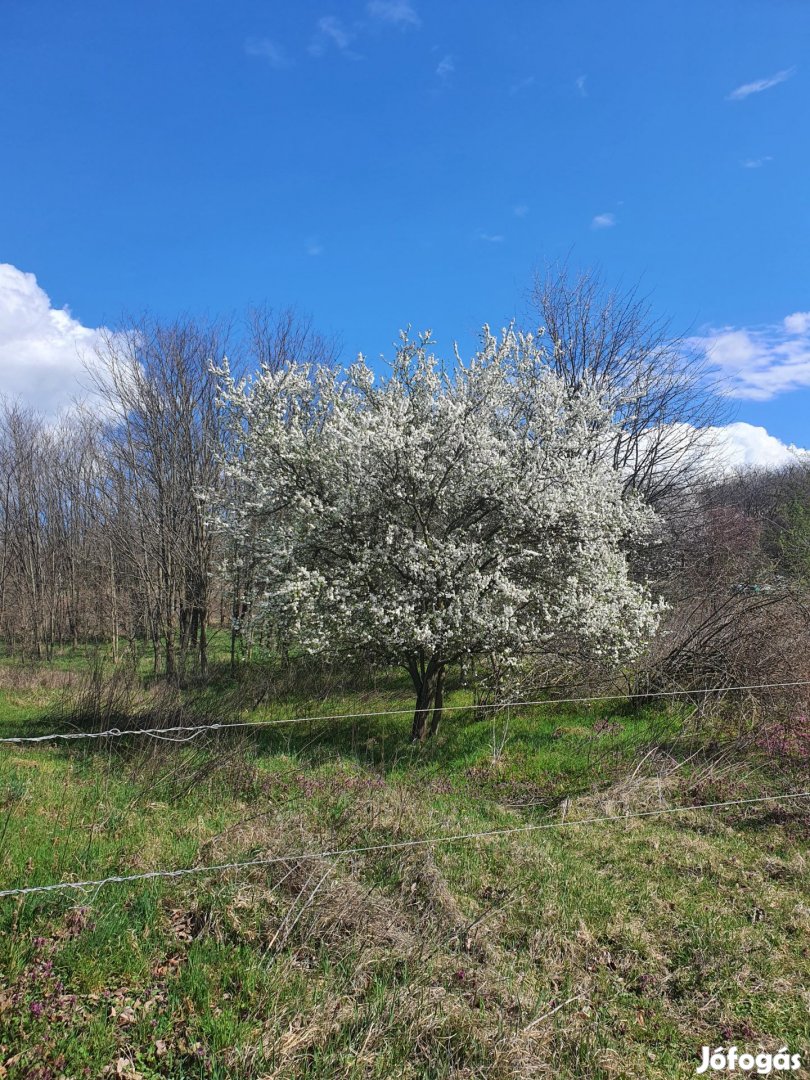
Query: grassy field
pixel 583 950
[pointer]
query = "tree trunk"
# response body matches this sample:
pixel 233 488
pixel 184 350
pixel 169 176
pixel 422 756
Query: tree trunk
pixel 235 616
pixel 185 621
pixel 438 702
pixel 426 680
pixel 203 632
pixel 171 654
pixel 113 607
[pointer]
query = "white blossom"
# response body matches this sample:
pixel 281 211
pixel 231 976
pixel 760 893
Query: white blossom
pixel 439 512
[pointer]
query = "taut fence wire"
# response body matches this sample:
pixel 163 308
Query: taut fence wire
pixel 191 731
pixel 399 845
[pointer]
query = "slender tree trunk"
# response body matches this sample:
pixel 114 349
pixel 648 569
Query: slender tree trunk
pixel 154 629
pixel 186 622
pixel 170 653
pixel 234 619
pixel 203 629
pixel 113 606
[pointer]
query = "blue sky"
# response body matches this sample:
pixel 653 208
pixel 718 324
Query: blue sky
pixel 391 162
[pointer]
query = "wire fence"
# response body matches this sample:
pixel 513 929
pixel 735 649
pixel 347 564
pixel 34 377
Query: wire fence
pixel 187 733
pixel 397 845
pixel 191 731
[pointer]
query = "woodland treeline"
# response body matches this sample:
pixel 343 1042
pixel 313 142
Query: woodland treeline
pixel 106 532
pixel 108 529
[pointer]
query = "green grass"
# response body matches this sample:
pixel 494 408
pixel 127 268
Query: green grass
pixel 655 935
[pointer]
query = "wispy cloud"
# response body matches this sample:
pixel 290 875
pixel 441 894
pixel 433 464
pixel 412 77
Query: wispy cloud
pixel 446 67
pixel 491 238
pixel 759 85
pixel 521 84
pixel 760 363
pixel 331 32
pixel 268 50
pixel 582 89
pixel 314 247
pixel 756 163
pixel 603 221
pixel 397 12
pixel 521 210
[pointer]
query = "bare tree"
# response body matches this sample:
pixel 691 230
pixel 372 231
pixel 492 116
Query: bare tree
pixel 662 392
pixel 50 592
pixel 274 339
pixel 23 550
pixel 161 441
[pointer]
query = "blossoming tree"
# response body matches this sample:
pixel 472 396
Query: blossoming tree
pixel 437 513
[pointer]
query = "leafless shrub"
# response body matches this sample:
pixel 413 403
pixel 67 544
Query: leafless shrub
pixel 736 618
pixel 166 763
pixel 30 677
pixel 102 698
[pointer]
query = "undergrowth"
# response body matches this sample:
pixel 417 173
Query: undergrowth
pixel 581 950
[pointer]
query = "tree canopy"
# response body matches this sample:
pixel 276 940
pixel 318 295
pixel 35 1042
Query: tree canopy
pixel 437 513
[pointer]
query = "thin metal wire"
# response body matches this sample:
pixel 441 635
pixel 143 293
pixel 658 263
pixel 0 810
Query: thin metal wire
pixel 163 733
pixel 339 853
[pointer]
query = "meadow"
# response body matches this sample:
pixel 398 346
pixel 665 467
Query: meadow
pixel 569 947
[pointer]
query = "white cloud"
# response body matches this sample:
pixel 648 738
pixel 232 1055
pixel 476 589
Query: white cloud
pixel 756 163
pixel 798 323
pixel 397 12
pixel 759 85
pixel 331 31
pixel 761 362
pixel 42 348
pixel 43 351
pixel 269 50
pixel 491 238
pixel 581 87
pixel 716 451
pixel 603 221
pixel 521 210
pixel 314 247
pixel 446 67
pixel 740 446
